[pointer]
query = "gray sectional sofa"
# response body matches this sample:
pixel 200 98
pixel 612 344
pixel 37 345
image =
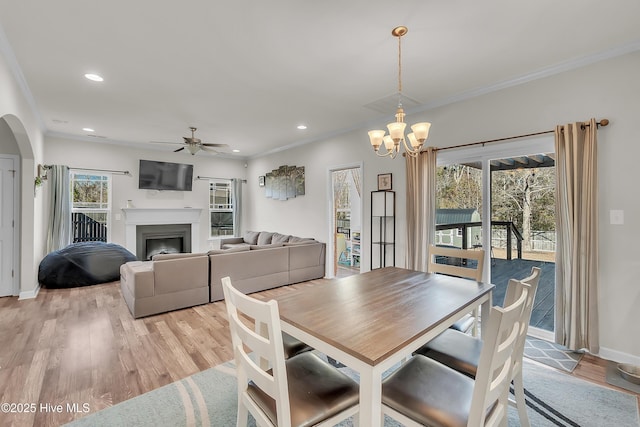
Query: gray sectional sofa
pixel 255 262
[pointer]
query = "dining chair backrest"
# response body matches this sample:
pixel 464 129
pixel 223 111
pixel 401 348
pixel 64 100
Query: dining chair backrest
pixel 510 296
pixel 265 343
pixel 489 403
pixel 454 258
pixel 439 252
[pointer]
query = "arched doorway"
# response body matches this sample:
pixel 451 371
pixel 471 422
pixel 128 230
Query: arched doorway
pixel 9 211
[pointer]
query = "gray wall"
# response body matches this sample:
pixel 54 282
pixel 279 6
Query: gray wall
pixel 608 89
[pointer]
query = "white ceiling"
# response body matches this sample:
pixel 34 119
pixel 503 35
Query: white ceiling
pixel 246 73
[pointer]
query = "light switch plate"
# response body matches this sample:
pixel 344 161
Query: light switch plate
pixel 616 217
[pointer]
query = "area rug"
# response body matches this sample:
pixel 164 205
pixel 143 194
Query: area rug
pixel 209 398
pixel 551 354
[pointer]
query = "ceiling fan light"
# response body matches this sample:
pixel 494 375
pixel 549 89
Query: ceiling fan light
pixel 193 149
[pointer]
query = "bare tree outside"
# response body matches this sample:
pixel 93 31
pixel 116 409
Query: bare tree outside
pixel 524 196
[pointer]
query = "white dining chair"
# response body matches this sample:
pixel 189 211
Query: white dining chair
pixel 462 352
pixel 426 392
pixel 300 391
pixel 450 263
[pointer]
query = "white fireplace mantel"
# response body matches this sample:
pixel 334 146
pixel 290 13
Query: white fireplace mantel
pixel 158 216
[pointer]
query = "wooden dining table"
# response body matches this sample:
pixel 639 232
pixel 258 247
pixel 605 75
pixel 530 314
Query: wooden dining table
pixel 371 321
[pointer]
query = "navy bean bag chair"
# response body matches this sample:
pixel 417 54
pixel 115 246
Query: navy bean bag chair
pixel 83 264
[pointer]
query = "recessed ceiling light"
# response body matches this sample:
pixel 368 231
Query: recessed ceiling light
pixel 236 150
pixel 94 77
pixel 88 130
pixel 302 127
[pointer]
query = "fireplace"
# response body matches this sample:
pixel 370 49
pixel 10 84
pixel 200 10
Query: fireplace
pixel 181 224
pixel 162 239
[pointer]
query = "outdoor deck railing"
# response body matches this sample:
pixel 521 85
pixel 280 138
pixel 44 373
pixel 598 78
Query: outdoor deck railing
pixel 512 232
pixel 86 229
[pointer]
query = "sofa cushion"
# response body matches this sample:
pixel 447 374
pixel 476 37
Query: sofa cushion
pixel 235 245
pixel 236 248
pixel 295 239
pixel 301 242
pixel 161 257
pixel 272 245
pixel 251 237
pixel 264 238
pixel 280 238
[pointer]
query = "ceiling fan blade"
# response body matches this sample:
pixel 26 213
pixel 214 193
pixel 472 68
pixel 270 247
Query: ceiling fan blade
pixel 215 145
pixel 179 149
pixel 208 150
pixel 166 142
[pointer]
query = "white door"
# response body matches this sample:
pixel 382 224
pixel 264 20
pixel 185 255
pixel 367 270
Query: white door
pixel 7 230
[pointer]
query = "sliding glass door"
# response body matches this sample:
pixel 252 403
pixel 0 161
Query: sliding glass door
pixel 501 198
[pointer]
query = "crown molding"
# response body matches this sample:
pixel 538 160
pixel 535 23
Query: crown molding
pixel 12 62
pixel 568 65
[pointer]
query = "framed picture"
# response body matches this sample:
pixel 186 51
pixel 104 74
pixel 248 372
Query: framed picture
pixel 261 181
pixel 384 181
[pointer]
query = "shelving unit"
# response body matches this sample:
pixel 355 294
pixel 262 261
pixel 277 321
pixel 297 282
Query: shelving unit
pixel 383 228
pixel 353 246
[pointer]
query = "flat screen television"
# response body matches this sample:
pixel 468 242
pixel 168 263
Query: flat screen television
pixel 165 176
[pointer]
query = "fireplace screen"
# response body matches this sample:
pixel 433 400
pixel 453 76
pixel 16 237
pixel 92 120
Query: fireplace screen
pixel 171 245
pixel 162 239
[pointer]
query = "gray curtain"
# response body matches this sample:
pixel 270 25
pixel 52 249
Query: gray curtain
pixel 59 230
pixel 237 205
pixel 576 325
pixel 421 208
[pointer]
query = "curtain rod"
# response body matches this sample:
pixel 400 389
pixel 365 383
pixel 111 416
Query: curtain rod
pixel 213 177
pixel 603 122
pixel 95 170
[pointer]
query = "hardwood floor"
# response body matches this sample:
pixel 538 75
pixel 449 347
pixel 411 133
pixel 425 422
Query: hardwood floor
pixel 81 346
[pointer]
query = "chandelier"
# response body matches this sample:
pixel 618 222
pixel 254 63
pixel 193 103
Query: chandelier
pixel 396 129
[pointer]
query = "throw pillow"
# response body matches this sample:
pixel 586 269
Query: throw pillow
pixel 251 237
pixel 279 238
pixel 264 238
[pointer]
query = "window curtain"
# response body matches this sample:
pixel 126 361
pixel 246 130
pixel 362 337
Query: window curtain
pixel 237 206
pixel 576 325
pixel 357 180
pixel 421 208
pixel 59 230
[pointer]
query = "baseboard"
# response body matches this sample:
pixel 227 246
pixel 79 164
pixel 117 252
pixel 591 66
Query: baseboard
pixel 605 353
pixel 618 356
pixel 29 294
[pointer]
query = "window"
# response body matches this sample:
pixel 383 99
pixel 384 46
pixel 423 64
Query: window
pixel 90 206
pixel 221 208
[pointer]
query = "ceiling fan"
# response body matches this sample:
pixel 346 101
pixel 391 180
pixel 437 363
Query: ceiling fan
pixel 193 144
